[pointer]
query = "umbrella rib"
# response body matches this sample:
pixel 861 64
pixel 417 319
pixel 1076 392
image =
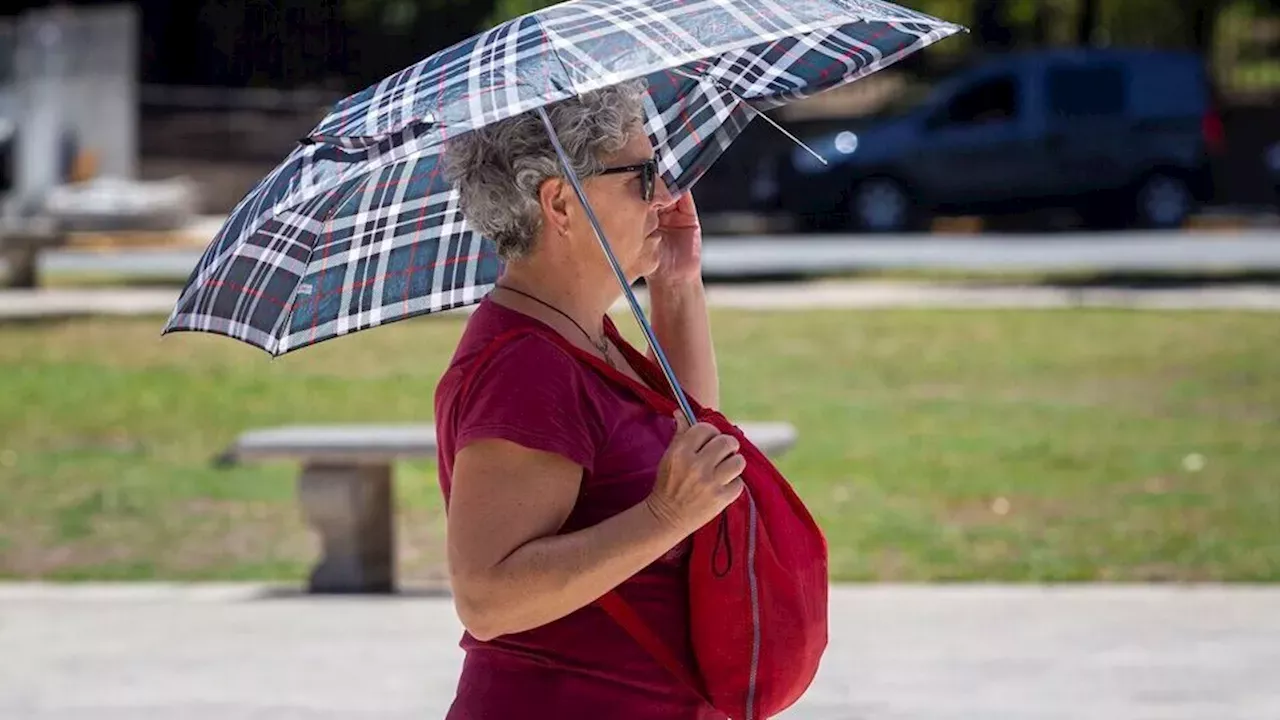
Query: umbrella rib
pixel 757 113
pixel 551 40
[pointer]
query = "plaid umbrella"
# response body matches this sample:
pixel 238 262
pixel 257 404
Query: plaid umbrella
pixel 356 228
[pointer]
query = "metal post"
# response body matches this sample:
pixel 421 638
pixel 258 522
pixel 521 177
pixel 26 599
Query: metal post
pixel 41 64
pixel 618 273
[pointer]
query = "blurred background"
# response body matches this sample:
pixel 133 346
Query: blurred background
pixel 1020 328
pixel 1101 113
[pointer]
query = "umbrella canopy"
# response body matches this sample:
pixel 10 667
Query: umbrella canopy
pixel 357 227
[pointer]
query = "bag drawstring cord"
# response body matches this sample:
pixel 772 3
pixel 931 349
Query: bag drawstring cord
pixel 722 540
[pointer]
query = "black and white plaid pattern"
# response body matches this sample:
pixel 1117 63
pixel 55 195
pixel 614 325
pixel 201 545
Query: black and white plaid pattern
pixel 357 227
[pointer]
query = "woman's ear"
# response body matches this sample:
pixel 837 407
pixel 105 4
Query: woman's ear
pixel 554 199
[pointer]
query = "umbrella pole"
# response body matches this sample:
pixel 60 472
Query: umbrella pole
pixel 619 274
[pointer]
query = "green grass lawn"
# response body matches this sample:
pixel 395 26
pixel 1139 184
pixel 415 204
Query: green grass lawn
pixel 1038 445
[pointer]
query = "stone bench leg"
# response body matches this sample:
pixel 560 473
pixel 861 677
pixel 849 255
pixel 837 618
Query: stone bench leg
pixel 23 268
pixel 351 508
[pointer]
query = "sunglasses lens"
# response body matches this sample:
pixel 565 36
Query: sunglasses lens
pixel 650 180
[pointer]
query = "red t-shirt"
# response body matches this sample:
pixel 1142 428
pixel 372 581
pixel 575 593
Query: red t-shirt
pixel 584 665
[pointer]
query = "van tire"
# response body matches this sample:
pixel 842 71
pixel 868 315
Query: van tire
pixel 882 204
pixel 1162 200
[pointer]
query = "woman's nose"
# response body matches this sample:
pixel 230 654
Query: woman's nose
pixel 662 196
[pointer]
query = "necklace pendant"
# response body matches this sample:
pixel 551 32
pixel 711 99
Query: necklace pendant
pixel 603 347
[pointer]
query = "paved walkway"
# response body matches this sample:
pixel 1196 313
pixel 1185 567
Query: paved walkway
pixel 32 304
pixel 925 653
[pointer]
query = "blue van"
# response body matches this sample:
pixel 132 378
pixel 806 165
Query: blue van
pixel 1124 137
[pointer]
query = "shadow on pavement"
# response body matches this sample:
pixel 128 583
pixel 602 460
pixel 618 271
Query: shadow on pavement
pixel 287 592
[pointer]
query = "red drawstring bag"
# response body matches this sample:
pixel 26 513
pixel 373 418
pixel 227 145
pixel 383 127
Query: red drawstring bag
pixel 758 582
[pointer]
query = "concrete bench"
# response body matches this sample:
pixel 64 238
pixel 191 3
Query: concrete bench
pixel 346 494
pixel 21 242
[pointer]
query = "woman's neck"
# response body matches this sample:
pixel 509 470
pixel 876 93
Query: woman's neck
pixel 583 298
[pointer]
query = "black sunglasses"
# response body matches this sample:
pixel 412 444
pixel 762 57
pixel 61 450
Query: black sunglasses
pixel 648 176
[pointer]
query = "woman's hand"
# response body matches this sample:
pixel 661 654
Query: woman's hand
pixel 699 476
pixel 681 251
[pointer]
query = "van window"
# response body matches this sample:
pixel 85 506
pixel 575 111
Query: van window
pixel 1086 92
pixel 992 100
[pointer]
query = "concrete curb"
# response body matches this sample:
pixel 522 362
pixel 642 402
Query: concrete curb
pixel 60 304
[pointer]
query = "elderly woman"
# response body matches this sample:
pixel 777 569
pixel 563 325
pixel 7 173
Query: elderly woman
pixel 560 485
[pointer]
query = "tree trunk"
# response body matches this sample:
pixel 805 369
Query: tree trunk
pixel 990 29
pixel 1203 19
pixel 1044 20
pixel 335 35
pixel 1087 23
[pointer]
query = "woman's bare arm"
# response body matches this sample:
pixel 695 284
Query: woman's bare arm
pixel 510 569
pixel 683 328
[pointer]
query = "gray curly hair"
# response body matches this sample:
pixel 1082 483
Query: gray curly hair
pixel 498 168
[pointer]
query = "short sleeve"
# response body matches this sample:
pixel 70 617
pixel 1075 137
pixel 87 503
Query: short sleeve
pixel 532 393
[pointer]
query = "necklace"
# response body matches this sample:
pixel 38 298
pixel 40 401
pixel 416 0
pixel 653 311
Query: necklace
pixel 602 345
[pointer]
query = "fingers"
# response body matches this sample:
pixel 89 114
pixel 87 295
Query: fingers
pixel 731 468
pixel 700 474
pixel 714 450
pixel 734 488
pixel 722 458
pixel 705 438
pixel 719 448
pixel 735 466
pixel 694 438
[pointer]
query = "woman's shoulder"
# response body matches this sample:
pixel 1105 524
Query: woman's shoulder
pixel 508 336
pixel 504 348
pixel 524 388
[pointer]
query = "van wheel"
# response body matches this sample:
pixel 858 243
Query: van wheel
pixel 880 205
pixel 1163 201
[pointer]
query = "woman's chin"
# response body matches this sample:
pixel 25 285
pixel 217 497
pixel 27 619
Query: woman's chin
pixel 653 262
pixel 645 262
pixel 639 271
